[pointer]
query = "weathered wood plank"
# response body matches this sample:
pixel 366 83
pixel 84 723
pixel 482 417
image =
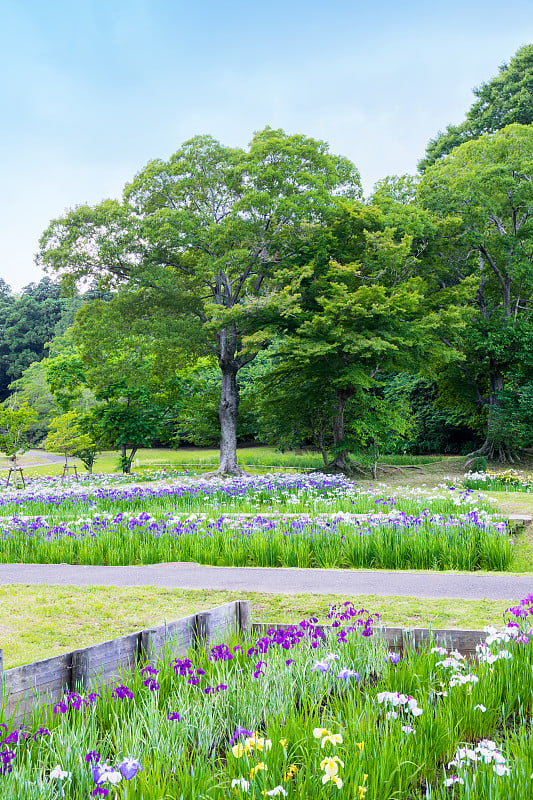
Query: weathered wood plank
pixel 177 636
pixel 462 640
pixel 394 637
pixel 51 678
pixel 221 619
pixel 50 670
pixel 25 686
pixel 397 638
pixel 245 617
pixel 104 660
pixel 520 520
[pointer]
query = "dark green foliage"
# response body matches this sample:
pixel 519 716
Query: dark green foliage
pixel 440 425
pixel 197 402
pixel 479 464
pixel 482 197
pixel 27 327
pixel 28 323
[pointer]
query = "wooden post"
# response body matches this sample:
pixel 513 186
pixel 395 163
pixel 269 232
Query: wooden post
pixel 80 675
pixel 13 471
pixel 66 470
pixel 202 629
pixel 146 650
pixel 244 617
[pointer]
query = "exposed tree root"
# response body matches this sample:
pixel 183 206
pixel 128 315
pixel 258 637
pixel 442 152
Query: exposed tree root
pixel 225 474
pixel 493 452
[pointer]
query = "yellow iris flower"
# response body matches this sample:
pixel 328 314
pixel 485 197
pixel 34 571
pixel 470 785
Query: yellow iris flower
pixel 257 768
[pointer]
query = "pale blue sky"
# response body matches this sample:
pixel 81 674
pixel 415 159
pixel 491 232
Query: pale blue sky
pixel 94 90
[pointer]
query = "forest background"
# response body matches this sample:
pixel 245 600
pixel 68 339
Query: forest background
pixel 255 295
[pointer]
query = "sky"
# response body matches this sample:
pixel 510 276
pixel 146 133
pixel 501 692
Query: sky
pixel 92 91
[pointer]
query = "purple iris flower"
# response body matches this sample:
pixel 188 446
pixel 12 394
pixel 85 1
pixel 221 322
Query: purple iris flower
pixel 104 773
pixel 121 692
pixel 129 768
pixel 41 732
pixel 394 658
pixel 239 732
pixel 345 673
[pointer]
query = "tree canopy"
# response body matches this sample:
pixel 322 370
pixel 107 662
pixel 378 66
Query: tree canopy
pixel 203 237
pixel 482 193
pixel 506 99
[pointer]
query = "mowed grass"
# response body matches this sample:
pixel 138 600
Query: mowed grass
pixel 200 459
pixel 42 621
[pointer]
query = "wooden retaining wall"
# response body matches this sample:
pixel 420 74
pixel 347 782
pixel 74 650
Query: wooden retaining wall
pixel 49 679
pixel 398 639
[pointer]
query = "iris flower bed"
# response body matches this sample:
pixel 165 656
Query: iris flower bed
pixel 248 494
pixel 298 713
pixel 511 480
pixel 389 540
pixel 266 521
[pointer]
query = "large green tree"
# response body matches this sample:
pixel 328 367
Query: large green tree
pixel 353 317
pixel 203 237
pixel 482 195
pixel 506 99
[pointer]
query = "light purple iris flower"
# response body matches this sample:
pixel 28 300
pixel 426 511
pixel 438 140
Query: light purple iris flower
pixel 345 673
pixel 104 773
pixel 129 768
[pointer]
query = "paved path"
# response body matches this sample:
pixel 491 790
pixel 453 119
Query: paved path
pixel 278 581
pixel 36 458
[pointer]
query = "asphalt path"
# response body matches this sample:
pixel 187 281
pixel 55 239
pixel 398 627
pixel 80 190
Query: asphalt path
pixel 36 458
pixel 182 575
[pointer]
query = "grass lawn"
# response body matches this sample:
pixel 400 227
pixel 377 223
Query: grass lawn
pixel 42 621
pixel 202 458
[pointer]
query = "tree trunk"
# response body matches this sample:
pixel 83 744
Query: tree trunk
pixel 228 409
pixel 228 413
pixel 497 444
pixel 125 459
pixel 340 457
